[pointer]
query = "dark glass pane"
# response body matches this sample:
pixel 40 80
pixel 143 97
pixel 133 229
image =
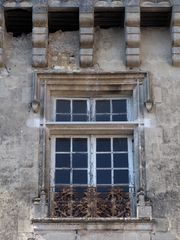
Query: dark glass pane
pixel 121 176
pixel 62 144
pixel 102 106
pixel 120 144
pixel 103 118
pixel 62 177
pixel 103 160
pixel 63 118
pixel 79 106
pixel 103 176
pixel 125 189
pixel 79 160
pixel 119 117
pixel 63 106
pixel 62 160
pixel 104 190
pixel 80 177
pixel 103 144
pixel 79 145
pixel 119 106
pixel 80 118
pixel 120 160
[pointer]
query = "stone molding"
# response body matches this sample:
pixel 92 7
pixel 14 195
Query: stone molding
pixel 107 3
pixel 40 35
pixel 86 81
pixel 132 31
pixel 155 3
pixel 124 224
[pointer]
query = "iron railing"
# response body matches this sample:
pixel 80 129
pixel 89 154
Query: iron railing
pixel 90 202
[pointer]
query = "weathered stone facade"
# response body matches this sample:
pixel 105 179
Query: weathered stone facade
pixel 131 58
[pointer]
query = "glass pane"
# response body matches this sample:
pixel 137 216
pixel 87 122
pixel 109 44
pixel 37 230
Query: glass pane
pixel 103 144
pixel 80 177
pixel 120 145
pixel 79 106
pixel 79 160
pixel 80 118
pixel 62 144
pixel 103 160
pixel 121 176
pixel 102 118
pixel 63 106
pixel 119 106
pixel 119 117
pixel 62 177
pixel 62 160
pixel 102 106
pixel 103 176
pixel 63 118
pixel 120 160
pixel 79 145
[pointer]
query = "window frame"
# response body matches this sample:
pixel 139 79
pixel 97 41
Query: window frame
pixel 91 106
pixel 49 85
pixel 91 169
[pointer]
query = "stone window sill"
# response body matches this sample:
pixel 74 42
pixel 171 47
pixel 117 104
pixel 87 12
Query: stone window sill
pixel 124 224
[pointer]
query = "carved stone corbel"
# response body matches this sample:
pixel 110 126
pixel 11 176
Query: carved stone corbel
pixel 176 35
pixel 40 36
pixel 132 31
pixel 40 208
pixel 144 208
pixel 86 21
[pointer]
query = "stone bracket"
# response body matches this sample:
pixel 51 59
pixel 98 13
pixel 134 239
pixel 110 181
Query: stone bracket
pixel 40 35
pixel 144 208
pixel 86 22
pixel 176 35
pixel 40 208
pixel 1 36
pixel 132 32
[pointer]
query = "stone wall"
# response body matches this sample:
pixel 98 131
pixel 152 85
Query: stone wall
pixel 19 135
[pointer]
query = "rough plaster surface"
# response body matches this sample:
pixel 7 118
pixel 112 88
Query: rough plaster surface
pixel 19 132
pixel 109 50
pixel 63 50
pixel 18 154
pixel 163 141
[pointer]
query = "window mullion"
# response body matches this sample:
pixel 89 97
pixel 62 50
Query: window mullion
pixel 93 160
pixel 111 111
pixel 112 167
pixel 71 170
pixel 71 109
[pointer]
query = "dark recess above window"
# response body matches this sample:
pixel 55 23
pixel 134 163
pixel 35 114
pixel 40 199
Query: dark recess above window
pixel 63 20
pixel 156 18
pixel 107 18
pixel 18 21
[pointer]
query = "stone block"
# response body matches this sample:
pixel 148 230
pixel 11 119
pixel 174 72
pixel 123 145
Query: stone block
pixel 133 40
pixel 161 225
pixel 157 95
pixel 164 236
